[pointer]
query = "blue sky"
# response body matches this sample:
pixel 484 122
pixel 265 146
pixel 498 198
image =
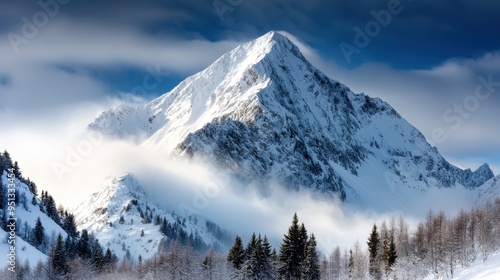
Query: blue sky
pixel 62 62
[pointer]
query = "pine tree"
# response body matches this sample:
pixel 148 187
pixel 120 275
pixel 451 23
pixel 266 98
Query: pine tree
pixel 70 247
pixel 291 252
pixel 110 260
pixel 236 255
pixel 373 249
pixel 2 193
pixel 17 170
pixel 253 265
pixel 84 246
pixel 392 253
pixel 269 256
pixel 303 237
pixel 142 233
pixel 97 255
pixel 58 258
pixel 251 245
pixel 310 265
pixel 7 160
pixel 51 209
pixel 38 233
pixel 69 225
pixel 32 187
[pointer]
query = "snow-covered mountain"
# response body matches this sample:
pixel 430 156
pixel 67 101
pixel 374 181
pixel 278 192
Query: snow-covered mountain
pixel 125 219
pixel 265 114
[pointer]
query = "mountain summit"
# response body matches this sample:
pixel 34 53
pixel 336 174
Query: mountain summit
pixel 265 114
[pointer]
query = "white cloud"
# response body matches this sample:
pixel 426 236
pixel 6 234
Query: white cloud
pixel 211 194
pixel 64 42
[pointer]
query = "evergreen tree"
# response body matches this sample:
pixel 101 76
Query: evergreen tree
pixel 157 220
pixel 32 187
pixel 51 209
pixel 69 225
pixel 291 252
pixel 2 193
pixel 58 258
pixel 251 245
pixel 33 201
pixel 97 255
pixel 373 249
pixel 303 237
pixel 38 233
pixel 84 246
pixel 253 264
pixel 7 160
pixel 17 170
pixel 269 256
pixel 392 253
pixel 236 255
pixel 70 247
pixel 310 266
pixel 110 260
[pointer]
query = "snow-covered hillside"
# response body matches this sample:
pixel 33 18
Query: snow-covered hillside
pixel 26 215
pixel 24 251
pixel 265 114
pixel 124 218
pixel 479 270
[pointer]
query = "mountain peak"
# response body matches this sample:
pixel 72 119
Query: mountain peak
pixel 263 112
pixel 273 37
pixel 278 42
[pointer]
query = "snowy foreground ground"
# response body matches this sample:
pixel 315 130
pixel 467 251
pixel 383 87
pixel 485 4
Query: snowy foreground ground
pixel 489 270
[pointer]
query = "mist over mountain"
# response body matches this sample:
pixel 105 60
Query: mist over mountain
pixel 263 113
pixel 234 150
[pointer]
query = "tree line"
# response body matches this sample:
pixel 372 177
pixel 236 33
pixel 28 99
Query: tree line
pixel 438 245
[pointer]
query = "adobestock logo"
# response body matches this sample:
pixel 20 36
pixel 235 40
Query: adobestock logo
pixel 40 19
pixel 150 81
pixel 363 37
pixel 459 112
pixel 75 155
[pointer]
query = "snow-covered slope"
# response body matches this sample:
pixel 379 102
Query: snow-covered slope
pixel 122 196
pixel 489 190
pixel 479 270
pixel 265 114
pixel 26 214
pixel 24 251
